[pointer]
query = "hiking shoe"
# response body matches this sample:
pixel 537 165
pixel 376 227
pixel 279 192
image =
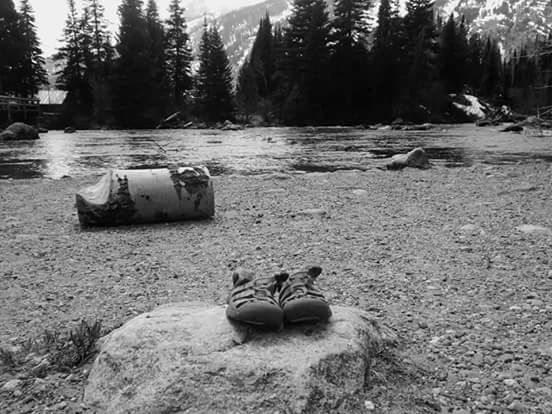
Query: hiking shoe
pixel 301 300
pixel 252 300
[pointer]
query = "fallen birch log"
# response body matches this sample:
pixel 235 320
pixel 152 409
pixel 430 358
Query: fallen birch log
pixel 146 196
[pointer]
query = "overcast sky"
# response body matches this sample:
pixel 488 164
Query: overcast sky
pixel 51 15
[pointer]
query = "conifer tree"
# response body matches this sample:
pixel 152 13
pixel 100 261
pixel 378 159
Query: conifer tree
pixel 453 53
pixel 386 56
pixel 491 68
pixel 262 58
pixel 73 77
pixel 179 55
pixel 158 58
pixel 350 59
pixel 9 47
pixel 214 81
pixel 30 70
pixel 247 96
pixel 307 55
pixel 421 54
pixel 99 58
pixel 133 83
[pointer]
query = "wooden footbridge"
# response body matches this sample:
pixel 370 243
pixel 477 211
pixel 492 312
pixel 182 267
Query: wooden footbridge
pixel 21 109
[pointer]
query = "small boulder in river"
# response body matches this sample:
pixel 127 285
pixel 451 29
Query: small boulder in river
pixel 417 158
pixel 7 136
pixel 20 132
pixel 190 358
pixel 70 130
pixel 513 128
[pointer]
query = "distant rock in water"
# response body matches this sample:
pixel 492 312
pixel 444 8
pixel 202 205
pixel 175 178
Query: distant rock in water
pixel 7 136
pixel 70 130
pixel 513 128
pixel 190 358
pixel 417 158
pixel 229 126
pixel 19 131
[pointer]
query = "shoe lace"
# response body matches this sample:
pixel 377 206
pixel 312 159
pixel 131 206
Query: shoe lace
pixel 258 289
pixel 299 286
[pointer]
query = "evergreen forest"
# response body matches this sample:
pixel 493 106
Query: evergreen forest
pixel 318 67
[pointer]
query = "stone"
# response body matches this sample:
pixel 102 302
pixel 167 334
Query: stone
pixel 7 136
pixel 516 407
pixel 532 229
pixel 313 212
pixel 510 382
pixel 12 385
pixel 70 130
pixel 22 131
pixel 360 192
pixel 417 158
pixel 513 128
pixel 190 358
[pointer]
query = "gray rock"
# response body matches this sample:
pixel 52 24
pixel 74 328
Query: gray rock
pixel 532 229
pixel 7 136
pixel 417 158
pixel 12 385
pixel 22 131
pixel 190 358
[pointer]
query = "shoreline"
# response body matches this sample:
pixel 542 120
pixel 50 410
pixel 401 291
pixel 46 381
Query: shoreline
pixel 435 254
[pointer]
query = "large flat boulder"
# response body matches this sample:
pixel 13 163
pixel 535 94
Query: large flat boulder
pixel 188 358
pixel 22 131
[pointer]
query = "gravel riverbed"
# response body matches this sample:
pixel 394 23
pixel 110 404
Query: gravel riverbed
pixel 457 261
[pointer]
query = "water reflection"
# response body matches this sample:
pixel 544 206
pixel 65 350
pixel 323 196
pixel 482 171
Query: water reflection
pixel 255 151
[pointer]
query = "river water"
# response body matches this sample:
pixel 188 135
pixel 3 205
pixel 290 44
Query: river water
pixel 261 150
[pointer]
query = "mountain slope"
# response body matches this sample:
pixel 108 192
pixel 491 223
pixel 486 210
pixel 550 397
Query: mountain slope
pixel 513 22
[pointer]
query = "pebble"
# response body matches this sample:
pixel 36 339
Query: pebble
pixel 313 212
pixel 60 406
pixel 510 382
pixel 12 385
pixel 369 405
pixel 516 406
pixel 532 229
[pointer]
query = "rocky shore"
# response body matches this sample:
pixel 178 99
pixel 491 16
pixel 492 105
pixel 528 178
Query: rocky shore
pixel 457 261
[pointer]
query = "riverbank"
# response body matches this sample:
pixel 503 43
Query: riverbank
pixel 438 255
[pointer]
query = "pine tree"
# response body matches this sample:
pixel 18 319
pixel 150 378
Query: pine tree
pixel 98 58
pixel 247 96
pixel 453 53
pixel 350 22
pixel 421 54
pixel 30 70
pixel 73 77
pixel 389 43
pixel 350 59
pixel 262 59
pixel 133 81
pixel 158 58
pixel 9 47
pixel 179 55
pixel 491 68
pixel 307 55
pixel 215 78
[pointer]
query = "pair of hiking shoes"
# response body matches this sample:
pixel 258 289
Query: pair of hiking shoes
pixel 253 300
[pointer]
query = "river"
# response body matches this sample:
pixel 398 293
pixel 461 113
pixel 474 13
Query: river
pixel 261 150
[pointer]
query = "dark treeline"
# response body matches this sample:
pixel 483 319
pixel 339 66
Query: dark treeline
pixel 147 74
pixel 322 69
pixel 21 63
pixel 317 68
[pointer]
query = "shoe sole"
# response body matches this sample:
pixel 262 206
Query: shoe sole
pixel 306 310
